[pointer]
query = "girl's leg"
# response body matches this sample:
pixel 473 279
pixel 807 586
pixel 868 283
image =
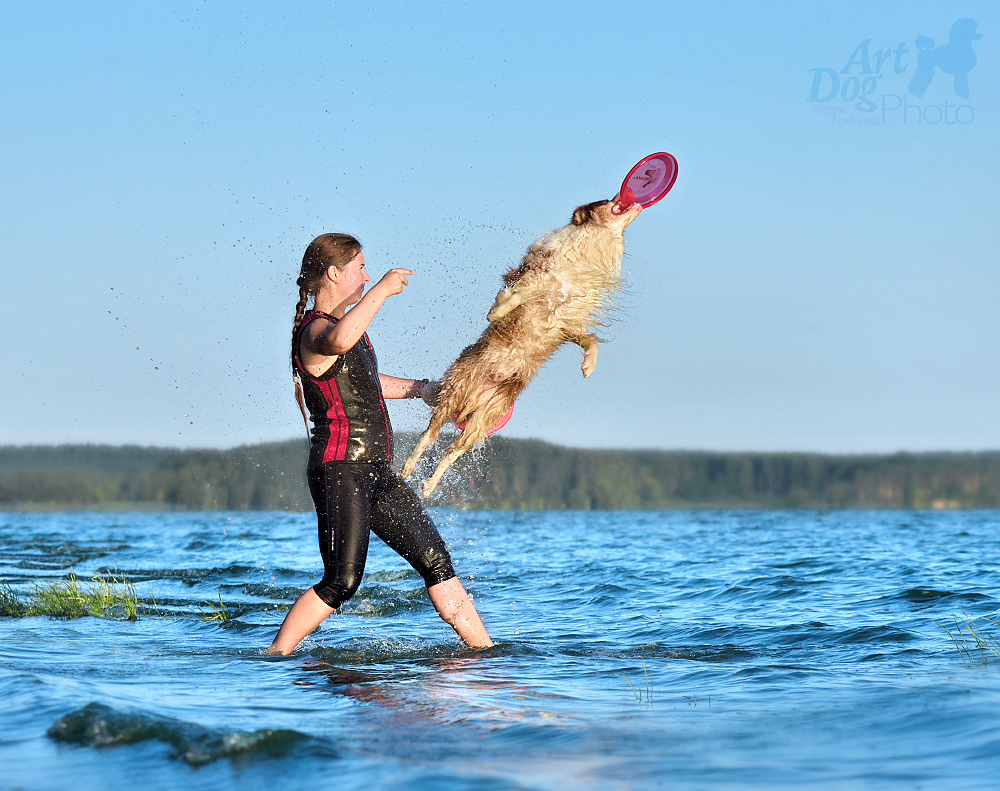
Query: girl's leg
pixel 399 519
pixel 306 614
pixel 455 606
pixel 341 492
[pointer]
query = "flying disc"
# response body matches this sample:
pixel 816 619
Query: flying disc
pixel 648 181
pixel 496 426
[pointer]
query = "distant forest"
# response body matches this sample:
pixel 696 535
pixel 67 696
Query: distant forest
pixel 508 474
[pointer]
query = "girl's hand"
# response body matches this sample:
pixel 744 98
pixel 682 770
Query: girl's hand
pixel 393 281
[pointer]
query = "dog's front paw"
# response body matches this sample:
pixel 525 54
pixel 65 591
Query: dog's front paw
pixel 505 302
pixel 589 361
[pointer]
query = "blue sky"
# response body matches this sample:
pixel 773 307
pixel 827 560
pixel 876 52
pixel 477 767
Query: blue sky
pixel 815 281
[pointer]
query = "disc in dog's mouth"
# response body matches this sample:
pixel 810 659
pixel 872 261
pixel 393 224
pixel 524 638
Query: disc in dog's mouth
pixel 648 181
pixel 494 428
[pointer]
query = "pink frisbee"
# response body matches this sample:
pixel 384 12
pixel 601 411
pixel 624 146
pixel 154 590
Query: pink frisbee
pixel 648 181
pixel 496 426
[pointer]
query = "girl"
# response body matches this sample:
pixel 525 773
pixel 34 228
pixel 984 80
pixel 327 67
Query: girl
pixel 354 488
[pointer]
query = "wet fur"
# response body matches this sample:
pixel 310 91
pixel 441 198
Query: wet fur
pixel 556 295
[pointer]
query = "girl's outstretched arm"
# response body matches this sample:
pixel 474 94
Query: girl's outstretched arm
pixel 394 387
pixel 339 338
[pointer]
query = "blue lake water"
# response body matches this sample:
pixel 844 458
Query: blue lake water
pixel 695 650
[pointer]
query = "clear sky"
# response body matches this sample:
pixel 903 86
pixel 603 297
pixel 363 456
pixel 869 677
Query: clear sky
pixel 823 276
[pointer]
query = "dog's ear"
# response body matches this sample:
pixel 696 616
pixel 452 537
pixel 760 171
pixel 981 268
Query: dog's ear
pixel 585 214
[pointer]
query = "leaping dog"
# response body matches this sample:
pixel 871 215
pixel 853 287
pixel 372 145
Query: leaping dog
pixel 558 294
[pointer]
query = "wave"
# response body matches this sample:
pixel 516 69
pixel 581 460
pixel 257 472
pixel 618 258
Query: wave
pixel 926 595
pixel 189 575
pixel 55 555
pixel 381 651
pixel 262 590
pixel 97 725
pixel 192 576
pixel 381 600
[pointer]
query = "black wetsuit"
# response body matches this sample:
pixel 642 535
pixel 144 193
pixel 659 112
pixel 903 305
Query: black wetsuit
pixel 350 478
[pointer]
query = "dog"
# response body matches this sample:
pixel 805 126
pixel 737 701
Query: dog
pixel 957 57
pixel 558 294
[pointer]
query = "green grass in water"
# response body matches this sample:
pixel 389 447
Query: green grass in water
pixel 105 596
pixel 970 638
pixel 10 605
pixel 649 685
pixel 216 612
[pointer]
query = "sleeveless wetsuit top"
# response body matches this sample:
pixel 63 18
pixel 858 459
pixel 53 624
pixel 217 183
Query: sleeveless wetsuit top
pixel 350 421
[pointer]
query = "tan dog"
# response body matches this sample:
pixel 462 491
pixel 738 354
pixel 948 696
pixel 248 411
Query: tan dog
pixel 557 295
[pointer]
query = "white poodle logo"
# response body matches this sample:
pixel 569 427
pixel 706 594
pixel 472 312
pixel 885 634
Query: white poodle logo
pixel 957 57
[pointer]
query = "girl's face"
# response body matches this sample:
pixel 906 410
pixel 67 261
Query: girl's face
pixel 352 278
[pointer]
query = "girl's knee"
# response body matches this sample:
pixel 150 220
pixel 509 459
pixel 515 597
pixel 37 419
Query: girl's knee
pixel 337 590
pixel 435 565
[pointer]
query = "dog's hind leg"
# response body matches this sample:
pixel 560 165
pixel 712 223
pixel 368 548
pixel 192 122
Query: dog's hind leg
pixel 453 400
pixel 476 430
pixel 426 440
pixel 423 443
pixel 449 458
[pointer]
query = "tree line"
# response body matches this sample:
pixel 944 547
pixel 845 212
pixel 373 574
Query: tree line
pixel 508 474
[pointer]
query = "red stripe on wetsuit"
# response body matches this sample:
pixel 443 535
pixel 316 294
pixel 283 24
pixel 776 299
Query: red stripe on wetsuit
pixel 340 426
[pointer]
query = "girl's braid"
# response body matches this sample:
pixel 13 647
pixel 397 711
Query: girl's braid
pixel 300 311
